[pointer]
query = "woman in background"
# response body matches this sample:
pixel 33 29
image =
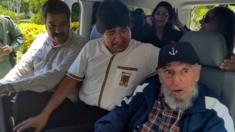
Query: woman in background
pixel 162 32
pixel 219 19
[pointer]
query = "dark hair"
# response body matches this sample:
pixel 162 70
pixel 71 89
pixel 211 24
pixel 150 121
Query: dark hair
pixel 225 24
pixel 112 14
pixel 55 7
pixel 138 21
pixel 166 5
pixel 138 17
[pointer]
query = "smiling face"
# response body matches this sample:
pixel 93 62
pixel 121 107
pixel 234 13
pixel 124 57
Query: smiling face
pixel 57 26
pixel 179 79
pixel 117 39
pixel 161 17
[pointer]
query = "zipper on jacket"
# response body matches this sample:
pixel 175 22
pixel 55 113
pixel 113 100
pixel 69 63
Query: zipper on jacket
pixel 105 79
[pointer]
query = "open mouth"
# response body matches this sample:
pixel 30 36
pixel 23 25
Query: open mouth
pixel 177 92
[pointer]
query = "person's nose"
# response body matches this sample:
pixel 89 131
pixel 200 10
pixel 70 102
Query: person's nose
pixel 58 29
pixel 176 79
pixel 161 17
pixel 118 37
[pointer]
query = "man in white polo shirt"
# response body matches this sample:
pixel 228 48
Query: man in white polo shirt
pixel 106 70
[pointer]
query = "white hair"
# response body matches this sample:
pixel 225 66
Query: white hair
pixel 179 105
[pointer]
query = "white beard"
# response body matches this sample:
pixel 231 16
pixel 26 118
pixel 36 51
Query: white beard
pixel 179 105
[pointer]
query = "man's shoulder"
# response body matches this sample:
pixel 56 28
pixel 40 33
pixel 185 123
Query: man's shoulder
pixel 38 42
pixel 206 91
pixel 143 44
pixel 211 109
pixel 77 37
pixel 144 47
pixel 94 44
pixel 5 19
pixel 211 99
pixel 148 89
pixel 151 84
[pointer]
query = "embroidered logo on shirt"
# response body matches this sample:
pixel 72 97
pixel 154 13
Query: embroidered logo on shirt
pixel 125 77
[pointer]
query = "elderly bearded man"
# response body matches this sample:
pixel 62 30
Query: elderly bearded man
pixel 177 103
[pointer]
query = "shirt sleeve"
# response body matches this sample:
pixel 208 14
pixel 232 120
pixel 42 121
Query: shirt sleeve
pixel 78 68
pixel 16 36
pixel 153 59
pixel 49 79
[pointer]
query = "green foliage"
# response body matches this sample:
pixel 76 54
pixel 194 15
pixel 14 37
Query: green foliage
pixel 232 7
pixel 9 13
pixel 24 21
pixel 35 5
pixel 75 12
pixel 31 31
pixel 4 3
pixel 37 18
pixel 75 26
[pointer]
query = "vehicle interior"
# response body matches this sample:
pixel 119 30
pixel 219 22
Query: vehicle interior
pixel 210 73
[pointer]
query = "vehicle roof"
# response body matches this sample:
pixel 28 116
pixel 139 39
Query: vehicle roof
pixel 176 3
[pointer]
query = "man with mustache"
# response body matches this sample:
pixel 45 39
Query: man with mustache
pixel 106 70
pixel 176 103
pixel 45 63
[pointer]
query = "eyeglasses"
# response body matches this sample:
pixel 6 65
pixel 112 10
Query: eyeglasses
pixel 208 19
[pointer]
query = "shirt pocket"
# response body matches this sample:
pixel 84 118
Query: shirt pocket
pixel 125 76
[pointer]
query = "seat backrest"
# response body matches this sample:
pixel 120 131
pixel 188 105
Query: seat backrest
pixel 94 33
pixel 211 49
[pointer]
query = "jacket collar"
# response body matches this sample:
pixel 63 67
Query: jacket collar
pixel 151 91
pixel 199 103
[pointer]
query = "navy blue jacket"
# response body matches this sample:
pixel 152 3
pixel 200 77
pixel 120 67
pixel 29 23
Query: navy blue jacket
pixel 207 113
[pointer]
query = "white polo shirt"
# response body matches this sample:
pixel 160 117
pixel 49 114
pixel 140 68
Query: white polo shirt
pixel 108 78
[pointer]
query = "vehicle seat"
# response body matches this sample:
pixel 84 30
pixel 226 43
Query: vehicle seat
pixel 211 48
pixel 94 33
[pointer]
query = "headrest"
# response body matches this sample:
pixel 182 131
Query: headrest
pixel 210 47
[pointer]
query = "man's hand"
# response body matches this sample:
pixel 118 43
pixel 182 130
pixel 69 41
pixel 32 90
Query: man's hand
pixel 6 49
pixel 228 64
pixel 38 122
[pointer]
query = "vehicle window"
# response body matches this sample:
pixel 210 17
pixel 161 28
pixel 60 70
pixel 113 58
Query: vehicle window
pixel 147 11
pixel 75 16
